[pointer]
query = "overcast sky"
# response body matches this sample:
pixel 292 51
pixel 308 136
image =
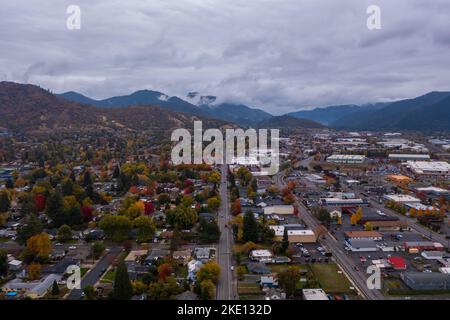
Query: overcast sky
pixel 279 55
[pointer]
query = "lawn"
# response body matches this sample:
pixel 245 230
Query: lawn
pixel 330 280
pixel 108 277
pixel 280 267
pixel 83 271
pixel 248 288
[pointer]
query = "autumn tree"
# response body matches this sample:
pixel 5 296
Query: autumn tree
pixel 40 245
pixel 64 233
pixel 31 227
pixel 145 228
pixel 288 280
pixel 209 271
pixel 116 228
pixel 34 271
pixel 164 271
pixel 236 207
pixel 213 204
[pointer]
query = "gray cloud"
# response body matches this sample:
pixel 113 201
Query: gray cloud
pixel 278 55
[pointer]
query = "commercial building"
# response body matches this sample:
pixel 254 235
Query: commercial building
pixel 346 158
pixel 356 245
pixel 314 294
pixel 409 157
pixel 401 198
pixel 294 235
pixel 386 225
pixel 279 210
pixel 429 168
pixel 426 281
pixel 364 235
pixel 423 245
pixel 342 202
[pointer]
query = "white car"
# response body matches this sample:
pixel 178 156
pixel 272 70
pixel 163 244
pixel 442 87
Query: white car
pixel 232 268
pixel 72 247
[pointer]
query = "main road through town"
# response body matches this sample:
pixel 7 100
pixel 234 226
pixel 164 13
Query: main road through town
pixel 341 258
pixel 225 288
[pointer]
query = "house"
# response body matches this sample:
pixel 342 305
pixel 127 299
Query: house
pixel 193 267
pixel 364 235
pixel 268 281
pixel 182 256
pixel 204 254
pixel 15 265
pixel 261 255
pixel 60 267
pixel 358 245
pixel 187 295
pixel 426 281
pixel 136 255
pixel 314 294
pixel 258 268
pixel 156 254
pixel 33 289
pixel 274 294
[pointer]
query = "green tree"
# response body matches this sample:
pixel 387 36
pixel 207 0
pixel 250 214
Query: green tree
pixel 54 206
pixel 89 292
pixel 207 290
pixel 123 290
pixel 209 271
pixel 145 228
pixel 116 228
pixel 209 232
pixel 213 203
pixel 3 262
pixel 55 288
pixel 288 280
pixel 64 233
pixel 5 201
pixel 97 248
pixel 31 227
pixel 182 217
pixel 285 242
pixel 250 228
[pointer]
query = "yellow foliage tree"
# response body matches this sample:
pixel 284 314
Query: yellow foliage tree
pixel 34 271
pixel 353 219
pixel 40 245
pixel 359 214
pixel 412 212
pixel 368 226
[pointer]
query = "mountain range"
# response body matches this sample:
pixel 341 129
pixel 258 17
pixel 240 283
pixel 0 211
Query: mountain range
pixel 236 113
pixel 29 108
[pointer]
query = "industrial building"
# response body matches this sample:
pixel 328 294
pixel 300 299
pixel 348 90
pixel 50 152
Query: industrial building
pixel 409 157
pixel 346 158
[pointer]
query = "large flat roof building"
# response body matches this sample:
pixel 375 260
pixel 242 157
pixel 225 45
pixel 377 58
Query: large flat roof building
pixel 429 167
pixel 406 157
pixel 346 158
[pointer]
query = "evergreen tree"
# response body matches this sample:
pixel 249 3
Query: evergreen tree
pixel 54 205
pixel 9 184
pixel 123 290
pixel 5 202
pixel 285 242
pixel 55 289
pixel 250 228
pixel 116 172
pixel 31 227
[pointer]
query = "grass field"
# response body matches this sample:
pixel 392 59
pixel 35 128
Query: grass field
pixel 109 276
pixel 330 280
pixel 248 288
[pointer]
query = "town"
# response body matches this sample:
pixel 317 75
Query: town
pixel 112 205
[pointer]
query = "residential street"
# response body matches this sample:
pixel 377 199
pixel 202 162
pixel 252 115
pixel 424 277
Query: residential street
pixel 225 288
pixel 94 275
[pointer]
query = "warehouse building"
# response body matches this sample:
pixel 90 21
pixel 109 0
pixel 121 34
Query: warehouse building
pixel 346 158
pixel 429 167
pixel 409 157
pixel 294 235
